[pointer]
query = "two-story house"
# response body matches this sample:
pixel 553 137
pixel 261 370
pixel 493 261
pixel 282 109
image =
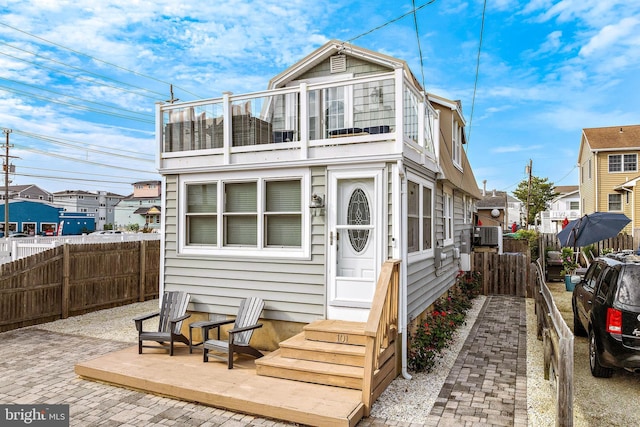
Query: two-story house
pixel 100 203
pixel 298 194
pixel 563 208
pixel 608 162
pixel 143 207
pixel 28 191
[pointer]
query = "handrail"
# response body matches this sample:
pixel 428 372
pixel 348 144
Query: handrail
pixel 382 326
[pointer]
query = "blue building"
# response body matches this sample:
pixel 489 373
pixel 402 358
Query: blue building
pixel 31 217
pixel 42 218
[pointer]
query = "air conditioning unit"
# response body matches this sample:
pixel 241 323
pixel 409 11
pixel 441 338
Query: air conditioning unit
pixel 487 236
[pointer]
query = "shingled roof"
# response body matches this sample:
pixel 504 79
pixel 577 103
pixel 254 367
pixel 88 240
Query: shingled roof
pixel 613 137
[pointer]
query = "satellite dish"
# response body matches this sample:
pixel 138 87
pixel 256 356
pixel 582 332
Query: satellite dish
pixel 495 213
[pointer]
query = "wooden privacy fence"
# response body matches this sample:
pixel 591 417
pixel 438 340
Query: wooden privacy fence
pixel 69 280
pixel 504 274
pixel 557 342
pixel 620 242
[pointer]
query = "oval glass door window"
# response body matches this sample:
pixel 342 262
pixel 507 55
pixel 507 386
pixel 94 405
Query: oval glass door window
pixel 358 213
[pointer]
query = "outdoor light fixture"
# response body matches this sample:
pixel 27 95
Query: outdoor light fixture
pixel 317 201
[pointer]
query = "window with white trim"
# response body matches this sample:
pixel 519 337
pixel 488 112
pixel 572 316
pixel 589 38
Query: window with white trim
pixel 242 217
pixel 623 163
pixel 456 142
pixel 447 216
pixel 420 216
pixel 615 202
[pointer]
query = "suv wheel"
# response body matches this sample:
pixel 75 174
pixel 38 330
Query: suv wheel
pixel 578 329
pixel 597 370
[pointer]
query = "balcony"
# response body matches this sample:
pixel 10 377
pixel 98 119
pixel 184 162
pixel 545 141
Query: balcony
pixel 304 122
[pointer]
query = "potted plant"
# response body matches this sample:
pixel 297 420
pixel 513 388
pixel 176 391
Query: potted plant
pixel 569 267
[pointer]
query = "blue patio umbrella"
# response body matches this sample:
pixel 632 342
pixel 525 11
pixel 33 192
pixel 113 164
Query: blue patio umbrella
pixel 592 228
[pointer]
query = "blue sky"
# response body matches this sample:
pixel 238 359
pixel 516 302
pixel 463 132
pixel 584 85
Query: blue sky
pixel 79 79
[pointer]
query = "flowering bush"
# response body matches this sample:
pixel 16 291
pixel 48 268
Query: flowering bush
pixel 437 330
pixel 569 264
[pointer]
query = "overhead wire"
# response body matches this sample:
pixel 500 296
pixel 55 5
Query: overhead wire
pixel 76 98
pixel 82 146
pixel 97 59
pixel 475 84
pixel 74 106
pixel 79 69
pixel 391 21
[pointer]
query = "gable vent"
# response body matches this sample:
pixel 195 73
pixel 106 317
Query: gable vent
pixel 338 64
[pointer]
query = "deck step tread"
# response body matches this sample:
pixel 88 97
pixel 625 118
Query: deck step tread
pixel 275 360
pixel 299 342
pixel 336 326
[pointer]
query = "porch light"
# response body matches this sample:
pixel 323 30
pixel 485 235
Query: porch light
pixel 317 201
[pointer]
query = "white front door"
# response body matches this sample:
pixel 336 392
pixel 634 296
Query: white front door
pixel 355 242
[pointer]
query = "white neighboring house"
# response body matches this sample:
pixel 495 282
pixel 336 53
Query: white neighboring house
pixel 100 203
pixel 565 205
pixel 143 207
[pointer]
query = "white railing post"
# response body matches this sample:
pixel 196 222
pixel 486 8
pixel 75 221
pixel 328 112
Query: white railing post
pixel 304 121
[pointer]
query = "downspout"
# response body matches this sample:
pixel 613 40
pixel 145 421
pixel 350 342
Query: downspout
pixel 402 183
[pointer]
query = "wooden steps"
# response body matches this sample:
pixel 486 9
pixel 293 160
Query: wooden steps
pixel 327 352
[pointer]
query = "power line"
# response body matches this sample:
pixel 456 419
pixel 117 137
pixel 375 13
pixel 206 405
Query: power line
pixel 475 84
pixel 415 9
pixel 68 143
pixel 73 106
pixel 96 59
pixel 77 69
pixel 75 159
pixel 75 97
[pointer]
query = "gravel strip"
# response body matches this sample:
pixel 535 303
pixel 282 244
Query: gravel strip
pixel 411 400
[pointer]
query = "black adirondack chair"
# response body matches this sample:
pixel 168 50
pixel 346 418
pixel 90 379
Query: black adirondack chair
pixel 239 336
pixel 171 314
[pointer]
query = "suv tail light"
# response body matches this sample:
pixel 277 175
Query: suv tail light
pixel 614 321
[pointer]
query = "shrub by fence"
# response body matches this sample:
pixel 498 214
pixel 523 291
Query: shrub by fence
pixel 70 280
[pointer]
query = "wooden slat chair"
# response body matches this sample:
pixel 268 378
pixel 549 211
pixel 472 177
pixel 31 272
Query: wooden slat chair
pixel 239 336
pixel 171 314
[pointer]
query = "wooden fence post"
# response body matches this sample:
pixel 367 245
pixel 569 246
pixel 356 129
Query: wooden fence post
pixel 143 270
pixel 66 269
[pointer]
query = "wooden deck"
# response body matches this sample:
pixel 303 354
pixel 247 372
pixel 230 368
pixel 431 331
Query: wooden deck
pixel 185 376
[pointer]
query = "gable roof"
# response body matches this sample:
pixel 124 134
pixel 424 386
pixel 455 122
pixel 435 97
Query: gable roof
pixel 493 199
pixel 565 189
pixel 612 138
pixel 335 47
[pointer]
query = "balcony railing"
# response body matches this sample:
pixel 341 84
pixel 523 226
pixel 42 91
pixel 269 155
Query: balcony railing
pixel 358 107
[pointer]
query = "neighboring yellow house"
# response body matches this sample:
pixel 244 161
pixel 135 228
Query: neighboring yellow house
pixel 608 162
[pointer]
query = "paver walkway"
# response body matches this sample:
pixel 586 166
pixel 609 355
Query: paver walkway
pixel 488 382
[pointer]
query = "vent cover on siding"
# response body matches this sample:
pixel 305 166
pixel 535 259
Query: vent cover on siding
pixel 338 64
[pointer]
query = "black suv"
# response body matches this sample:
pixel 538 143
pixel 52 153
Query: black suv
pixel 606 307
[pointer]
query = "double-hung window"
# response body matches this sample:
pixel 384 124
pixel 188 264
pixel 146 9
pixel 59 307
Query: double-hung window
pixel 447 215
pixel 245 216
pixel 420 216
pixel 623 163
pixel 615 202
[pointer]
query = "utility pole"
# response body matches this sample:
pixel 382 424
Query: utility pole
pixel 6 183
pixel 529 191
